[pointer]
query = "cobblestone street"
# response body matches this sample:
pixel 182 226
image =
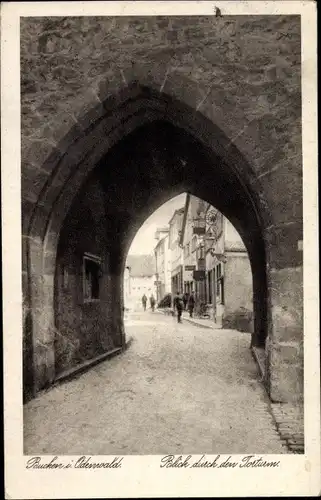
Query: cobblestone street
pixel 179 388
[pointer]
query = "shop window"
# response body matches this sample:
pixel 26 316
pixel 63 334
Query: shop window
pixel 91 277
pixel 210 287
pixel 222 290
pixel 214 286
pixel 220 284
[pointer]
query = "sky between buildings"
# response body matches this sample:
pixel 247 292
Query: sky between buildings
pixel 144 241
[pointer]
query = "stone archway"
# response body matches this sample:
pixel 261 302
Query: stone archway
pixel 234 188
pixel 185 165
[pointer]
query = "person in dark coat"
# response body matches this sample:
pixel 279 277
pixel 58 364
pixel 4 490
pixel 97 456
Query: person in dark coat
pixel 152 302
pixel 144 301
pixel 185 300
pixel 191 304
pixel 179 306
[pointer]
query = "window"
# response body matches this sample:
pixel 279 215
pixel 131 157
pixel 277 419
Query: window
pixel 91 277
pixel 209 277
pixel 214 286
pixel 220 284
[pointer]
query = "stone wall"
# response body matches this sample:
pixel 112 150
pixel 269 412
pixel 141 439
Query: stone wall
pixel 234 84
pixel 285 347
pixel 241 72
pixel 238 305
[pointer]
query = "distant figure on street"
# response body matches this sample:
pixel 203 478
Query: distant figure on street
pixel 191 304
pixel 185 300
pixel 144 301
pixel 179 306
pixel 152 302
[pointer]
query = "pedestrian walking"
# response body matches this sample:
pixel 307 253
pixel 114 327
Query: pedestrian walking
pixel 191 304
pixel 144 301
pixel 185 300
pixel 178 305
pixel 152 302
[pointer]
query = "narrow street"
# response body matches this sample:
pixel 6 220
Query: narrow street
pixel 179 388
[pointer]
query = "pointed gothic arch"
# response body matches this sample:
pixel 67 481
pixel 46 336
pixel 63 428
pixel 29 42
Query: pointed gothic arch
pixel 217 172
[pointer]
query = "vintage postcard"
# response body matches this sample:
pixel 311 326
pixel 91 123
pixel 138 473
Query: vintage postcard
pixel 160 249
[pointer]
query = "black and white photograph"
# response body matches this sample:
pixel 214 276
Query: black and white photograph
pixel 163 252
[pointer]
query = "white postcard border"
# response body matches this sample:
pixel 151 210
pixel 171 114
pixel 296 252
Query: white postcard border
pixel 142 476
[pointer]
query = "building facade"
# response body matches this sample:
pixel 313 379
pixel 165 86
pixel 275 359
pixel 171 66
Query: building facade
pixel 190 243
pixel 177 257
pixel 139 280
pixel 162 263
pixel 229 289
pixel 216 266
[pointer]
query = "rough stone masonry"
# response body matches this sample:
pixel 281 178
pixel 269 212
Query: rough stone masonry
pixel 237 81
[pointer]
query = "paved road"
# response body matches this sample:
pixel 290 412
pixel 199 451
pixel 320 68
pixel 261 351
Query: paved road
pixel 179 388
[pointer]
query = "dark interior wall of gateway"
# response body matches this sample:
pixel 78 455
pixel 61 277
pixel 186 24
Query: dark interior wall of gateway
pixel 83 317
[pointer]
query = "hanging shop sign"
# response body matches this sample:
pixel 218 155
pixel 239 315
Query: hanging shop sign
pixel 199 275
pixel 190 268
pixel 199 230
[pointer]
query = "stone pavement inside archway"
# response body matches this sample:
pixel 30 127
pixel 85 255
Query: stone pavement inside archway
pixel 177 389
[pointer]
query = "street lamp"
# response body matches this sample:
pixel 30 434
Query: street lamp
pixel 199 226
pixel 200 251
pixel 220 256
